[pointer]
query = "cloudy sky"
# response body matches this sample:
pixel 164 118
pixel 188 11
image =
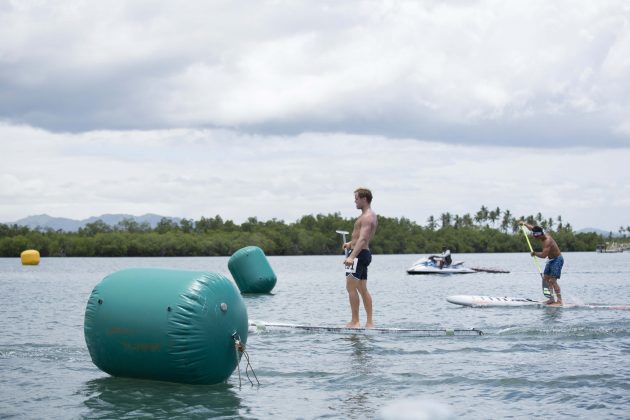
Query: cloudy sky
pixel 278 109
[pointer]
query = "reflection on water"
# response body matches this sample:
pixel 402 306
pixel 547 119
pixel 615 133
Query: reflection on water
pixel 359 402
pixel 112 397
pixel 551 314
pixel 361 361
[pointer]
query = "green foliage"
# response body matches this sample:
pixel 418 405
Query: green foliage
pixel 486 231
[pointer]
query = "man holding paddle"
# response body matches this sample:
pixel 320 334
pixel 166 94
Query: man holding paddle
pixel 555 261
pixel 359 248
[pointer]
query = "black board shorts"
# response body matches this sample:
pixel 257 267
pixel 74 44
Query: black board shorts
pixel 364 259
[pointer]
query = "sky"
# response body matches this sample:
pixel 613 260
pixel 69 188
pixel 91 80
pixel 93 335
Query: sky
pixel 280 109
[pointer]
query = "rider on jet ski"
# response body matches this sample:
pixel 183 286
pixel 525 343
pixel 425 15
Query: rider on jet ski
pixel 444 259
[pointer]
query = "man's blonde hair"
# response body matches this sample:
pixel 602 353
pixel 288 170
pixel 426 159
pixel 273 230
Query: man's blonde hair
pixel 364 193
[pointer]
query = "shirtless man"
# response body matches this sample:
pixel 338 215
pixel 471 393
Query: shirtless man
pixel 362 233
pixel 554 265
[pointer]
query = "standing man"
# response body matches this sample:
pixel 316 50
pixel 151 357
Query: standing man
pixel 359 249
pixel 553 268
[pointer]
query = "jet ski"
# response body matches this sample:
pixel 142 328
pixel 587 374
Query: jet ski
pixel 429 266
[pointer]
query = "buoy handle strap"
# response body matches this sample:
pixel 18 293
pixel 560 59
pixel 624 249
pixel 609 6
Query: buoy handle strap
pixel 237 344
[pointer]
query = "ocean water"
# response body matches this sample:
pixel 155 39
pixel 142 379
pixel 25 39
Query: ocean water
pixel 531 362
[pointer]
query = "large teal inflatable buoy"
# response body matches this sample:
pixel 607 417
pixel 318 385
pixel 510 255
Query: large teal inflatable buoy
pixel 168 325
pixel 251 270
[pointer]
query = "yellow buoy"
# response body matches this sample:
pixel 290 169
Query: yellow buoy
pixel 30 257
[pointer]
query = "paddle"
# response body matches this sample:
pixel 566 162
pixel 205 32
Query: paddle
pixel 545 285
pixel 343 233
pixel 352 269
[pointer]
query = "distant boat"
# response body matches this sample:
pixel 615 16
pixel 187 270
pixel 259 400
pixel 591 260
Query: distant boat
pixel 611 248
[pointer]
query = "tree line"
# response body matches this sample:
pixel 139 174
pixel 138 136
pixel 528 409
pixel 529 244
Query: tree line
pixel 485 231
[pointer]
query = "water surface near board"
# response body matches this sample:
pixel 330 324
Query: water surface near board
pixel 530 362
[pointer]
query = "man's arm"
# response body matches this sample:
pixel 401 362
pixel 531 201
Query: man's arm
pixel 527 225
pixel 545 251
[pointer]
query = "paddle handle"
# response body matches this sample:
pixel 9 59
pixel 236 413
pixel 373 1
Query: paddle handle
pixel 343 234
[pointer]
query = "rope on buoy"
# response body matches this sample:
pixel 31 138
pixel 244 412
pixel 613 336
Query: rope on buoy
pixel 239 348
pixel 249 365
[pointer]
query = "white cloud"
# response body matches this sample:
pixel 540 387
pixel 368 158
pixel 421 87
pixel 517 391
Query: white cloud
pixel 194 173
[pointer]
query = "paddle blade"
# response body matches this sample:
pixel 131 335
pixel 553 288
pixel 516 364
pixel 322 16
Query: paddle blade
pixel 545 288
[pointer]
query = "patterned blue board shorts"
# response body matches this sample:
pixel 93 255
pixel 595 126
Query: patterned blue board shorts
pixel 553 268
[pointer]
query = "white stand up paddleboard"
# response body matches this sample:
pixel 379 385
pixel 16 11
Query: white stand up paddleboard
pixel 505 301
pixel 260 326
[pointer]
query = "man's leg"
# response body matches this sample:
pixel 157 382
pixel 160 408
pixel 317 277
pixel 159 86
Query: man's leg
pixel 367 302
pixel 548 279
pixel 553 282
pixel 353 296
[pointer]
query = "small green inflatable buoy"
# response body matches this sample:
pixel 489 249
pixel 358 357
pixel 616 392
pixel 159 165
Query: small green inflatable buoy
pixel 251 270
pixel 168 325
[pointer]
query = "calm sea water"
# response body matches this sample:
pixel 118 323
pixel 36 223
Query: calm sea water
pixel 530 362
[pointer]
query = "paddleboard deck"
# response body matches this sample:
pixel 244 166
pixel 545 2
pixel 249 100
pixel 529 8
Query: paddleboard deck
pixel 505 301
pixel 259 326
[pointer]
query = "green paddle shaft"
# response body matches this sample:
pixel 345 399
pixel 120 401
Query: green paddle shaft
pixel 531 249
pixel 545 285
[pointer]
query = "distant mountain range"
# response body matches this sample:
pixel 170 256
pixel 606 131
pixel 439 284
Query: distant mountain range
pixel 45 221
pixel 602 232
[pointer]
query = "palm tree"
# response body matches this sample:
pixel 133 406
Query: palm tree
pixel 497 214
pixel 494 215
pixel 507 219
pixel 482 215
pixel 446 219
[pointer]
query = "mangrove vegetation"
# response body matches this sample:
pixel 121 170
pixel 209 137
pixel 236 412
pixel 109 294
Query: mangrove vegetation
pixel 485 231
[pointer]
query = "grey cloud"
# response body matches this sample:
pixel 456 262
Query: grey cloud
pixel 490 73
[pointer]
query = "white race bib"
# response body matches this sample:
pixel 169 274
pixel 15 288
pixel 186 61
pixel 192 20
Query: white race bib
pixel 353 269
